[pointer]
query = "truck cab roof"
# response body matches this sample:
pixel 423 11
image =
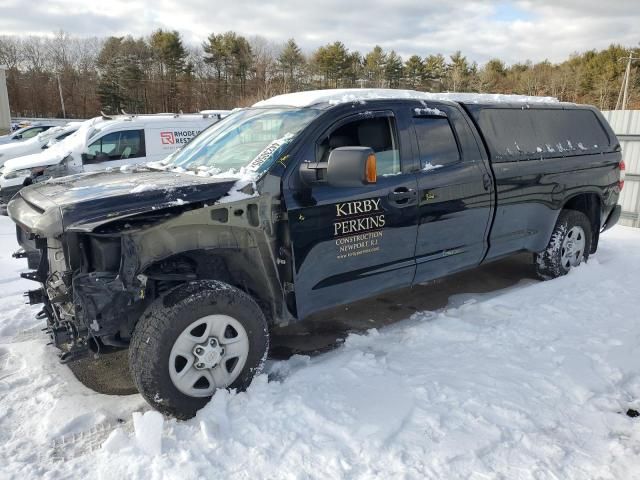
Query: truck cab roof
pixel 334 97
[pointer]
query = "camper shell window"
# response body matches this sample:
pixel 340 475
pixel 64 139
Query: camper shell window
pixel 514 134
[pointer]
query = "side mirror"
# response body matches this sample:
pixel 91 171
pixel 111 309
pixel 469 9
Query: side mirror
pixel 99 158
pixel 59 170
pixel 102 157
pixel 351 167
pixel 17 137
pixel 346 167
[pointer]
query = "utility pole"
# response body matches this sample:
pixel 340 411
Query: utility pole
pixel 624 89
pixel 64 114
pixel 5 112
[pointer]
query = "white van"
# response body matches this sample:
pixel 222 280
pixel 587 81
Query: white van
pixel 25 133
pixel 38 143
pixel 105 142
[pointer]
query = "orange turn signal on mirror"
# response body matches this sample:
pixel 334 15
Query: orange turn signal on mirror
pixel 371 173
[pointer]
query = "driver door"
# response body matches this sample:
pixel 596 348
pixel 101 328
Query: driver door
pixel 350 243
pixel 114 150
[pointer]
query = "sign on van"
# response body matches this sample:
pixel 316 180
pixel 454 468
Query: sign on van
pixel 171 139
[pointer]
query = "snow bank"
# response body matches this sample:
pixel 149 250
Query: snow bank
pixel 531 382
pixel 346 95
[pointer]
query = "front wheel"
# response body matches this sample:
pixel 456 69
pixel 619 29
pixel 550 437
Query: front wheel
pixel 198 338
pixel 569 245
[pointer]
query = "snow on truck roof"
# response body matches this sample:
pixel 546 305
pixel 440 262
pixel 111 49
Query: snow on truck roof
pixel 346 95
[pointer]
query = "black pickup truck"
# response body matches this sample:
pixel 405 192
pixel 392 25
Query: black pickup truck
pixel 298 204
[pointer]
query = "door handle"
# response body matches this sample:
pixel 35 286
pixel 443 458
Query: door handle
pixel 403 196
pixel 486 181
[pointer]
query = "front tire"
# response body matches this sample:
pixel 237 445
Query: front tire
pixel 196 339
pixel 569 245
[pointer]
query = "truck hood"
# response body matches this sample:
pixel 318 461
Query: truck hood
pixel 85 201
pixel 39 159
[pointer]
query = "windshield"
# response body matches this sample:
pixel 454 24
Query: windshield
pixel 20 131
pixel 249 140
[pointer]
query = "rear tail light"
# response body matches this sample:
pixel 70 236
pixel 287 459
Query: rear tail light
pixel 622 173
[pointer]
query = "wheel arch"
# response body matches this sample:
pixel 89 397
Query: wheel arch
pixel 241 268
pixel 590 204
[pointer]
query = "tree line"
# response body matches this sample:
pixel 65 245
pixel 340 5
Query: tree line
pixel 161 73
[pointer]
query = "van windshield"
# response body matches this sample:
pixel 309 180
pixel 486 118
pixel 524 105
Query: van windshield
pixel 249 140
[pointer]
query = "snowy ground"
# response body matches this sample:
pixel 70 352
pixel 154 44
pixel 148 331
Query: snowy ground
pixel 529 382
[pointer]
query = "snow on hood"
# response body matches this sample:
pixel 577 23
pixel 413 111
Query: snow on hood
pixel 19 146
pixel 346 95
pixel 245 177
pixel 75 142
pixel 39 140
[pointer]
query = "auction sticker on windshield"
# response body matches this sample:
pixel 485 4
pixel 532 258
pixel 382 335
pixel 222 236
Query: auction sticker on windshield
pixel 269 152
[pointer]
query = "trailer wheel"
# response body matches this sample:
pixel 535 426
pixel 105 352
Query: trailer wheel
pixel 569 245
pixel 196 339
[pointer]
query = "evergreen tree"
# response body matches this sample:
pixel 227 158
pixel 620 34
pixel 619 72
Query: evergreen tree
pixel 414 72
pixel 374 67
pixel 232 59
pixel 333 63
pixel 393 70
pixel 492 76
pixel 458 72
pixel 109 89
pixel 291 63
pixel 170 55
pixel 435 71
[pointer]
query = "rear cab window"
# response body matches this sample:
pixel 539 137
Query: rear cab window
pixel 437 144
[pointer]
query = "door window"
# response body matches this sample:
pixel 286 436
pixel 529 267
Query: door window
pixel 377 133
pixel 436 141
pixel 117 146
pixel 64 135
pixel 32 132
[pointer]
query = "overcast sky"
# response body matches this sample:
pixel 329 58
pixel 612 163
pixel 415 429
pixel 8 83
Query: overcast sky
pixel 511 30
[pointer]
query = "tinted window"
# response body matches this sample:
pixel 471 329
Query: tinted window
pixel 376 133
pixel 117 146
pixel 32 132
pixel 64 135
pixel 436 142
pixel 520 134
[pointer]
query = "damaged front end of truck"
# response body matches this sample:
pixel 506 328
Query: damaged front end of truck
pixel 105 245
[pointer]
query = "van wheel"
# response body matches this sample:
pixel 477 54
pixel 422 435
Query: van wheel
pixel 569 245
pixel 196 339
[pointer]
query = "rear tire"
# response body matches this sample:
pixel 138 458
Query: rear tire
pixel 569 245
pixel 197 338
